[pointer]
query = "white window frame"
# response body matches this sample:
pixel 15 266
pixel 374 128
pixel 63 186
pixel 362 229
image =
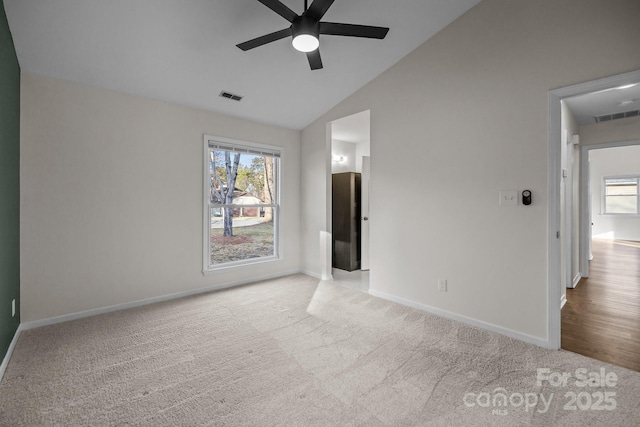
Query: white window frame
pixel 604 195
pixel 238 146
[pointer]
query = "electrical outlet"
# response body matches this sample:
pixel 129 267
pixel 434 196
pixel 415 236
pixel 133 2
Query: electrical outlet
pixel 442 285
pixel 13 307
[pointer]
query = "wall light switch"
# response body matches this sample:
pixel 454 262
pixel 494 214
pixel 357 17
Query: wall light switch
pixel 13 308
pixel 508 198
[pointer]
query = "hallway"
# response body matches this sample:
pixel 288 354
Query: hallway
pixel 602 316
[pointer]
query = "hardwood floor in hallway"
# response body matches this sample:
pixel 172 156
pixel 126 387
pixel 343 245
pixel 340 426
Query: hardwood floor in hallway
pixel 601 318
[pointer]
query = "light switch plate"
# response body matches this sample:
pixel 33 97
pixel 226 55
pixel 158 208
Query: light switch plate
pixel 508 198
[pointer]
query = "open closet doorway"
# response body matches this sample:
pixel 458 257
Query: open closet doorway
pixel 349 208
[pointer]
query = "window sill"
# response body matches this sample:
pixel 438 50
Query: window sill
pixel 223 268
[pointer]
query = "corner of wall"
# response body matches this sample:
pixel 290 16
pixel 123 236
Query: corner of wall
pixel 9 188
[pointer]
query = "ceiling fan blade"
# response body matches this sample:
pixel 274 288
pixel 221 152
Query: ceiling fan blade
pixel 353 30
pixel 318 8
pixel 259 41
pixel 315 62
pixel 280 9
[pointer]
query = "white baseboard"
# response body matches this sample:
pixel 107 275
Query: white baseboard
pixel 139 303
pixel 464 319
pixel 317 275
pixel 7 356
pixel 563 301
pixel 312 274
pixel 576 280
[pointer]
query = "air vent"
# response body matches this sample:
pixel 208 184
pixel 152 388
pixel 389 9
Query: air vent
pixel 230 95
pixel 616 116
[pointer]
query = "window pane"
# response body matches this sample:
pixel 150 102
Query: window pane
pixel 621 195
pixel 621 204
pixel 252 234
pixel 242 206
pixel 622 190
pixel 620 181
pixel 252 176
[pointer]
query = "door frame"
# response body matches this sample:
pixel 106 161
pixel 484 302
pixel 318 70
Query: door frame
pixel 554 180
pixel 326 238
pixel 365 265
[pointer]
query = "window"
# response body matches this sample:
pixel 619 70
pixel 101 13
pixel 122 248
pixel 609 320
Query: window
pixel 621 195
pixel 241 203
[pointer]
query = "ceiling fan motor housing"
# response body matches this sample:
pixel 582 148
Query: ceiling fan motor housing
pixel 305 25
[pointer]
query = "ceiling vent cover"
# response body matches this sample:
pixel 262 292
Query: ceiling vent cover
pixel 230 95
pixel 616 116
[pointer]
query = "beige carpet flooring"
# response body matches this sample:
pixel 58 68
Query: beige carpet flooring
pixel 296 351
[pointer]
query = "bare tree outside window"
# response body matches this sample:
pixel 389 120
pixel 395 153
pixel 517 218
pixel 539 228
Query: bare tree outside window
pixel 224 191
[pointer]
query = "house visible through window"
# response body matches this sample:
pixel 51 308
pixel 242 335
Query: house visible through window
pixel 621 195
pixel 241 203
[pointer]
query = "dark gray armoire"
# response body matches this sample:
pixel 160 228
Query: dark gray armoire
pixel 346 220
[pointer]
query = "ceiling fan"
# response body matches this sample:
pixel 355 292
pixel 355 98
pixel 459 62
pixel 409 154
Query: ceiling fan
pixel 305 29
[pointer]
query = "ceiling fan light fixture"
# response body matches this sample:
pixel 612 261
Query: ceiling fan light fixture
pixel 305 29
pixel 306 33
pixel 305 42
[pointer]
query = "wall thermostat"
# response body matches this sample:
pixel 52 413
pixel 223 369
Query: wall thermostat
pixel 526 197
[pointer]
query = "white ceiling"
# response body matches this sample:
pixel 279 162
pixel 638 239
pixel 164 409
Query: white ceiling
pixel 184 51
pixel 354 129
pixel 615 100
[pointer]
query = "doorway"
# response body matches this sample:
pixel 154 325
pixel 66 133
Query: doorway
pixel 563 244
pixel 350 153
pixel 603 311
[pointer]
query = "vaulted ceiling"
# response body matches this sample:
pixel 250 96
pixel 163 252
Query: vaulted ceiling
pixel 184 51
